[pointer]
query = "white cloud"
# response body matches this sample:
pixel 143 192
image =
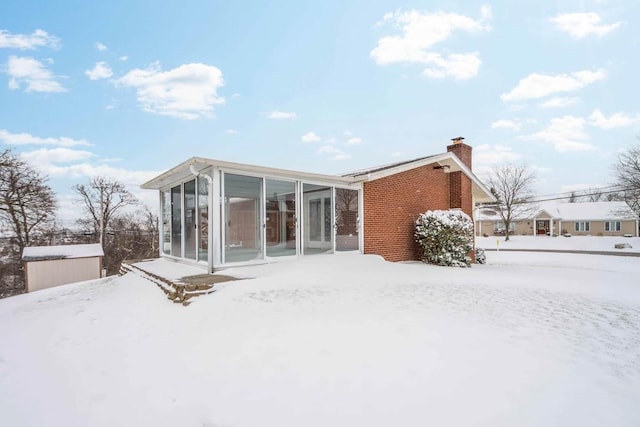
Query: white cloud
pixel 491 155
pixel 123 58
pixel 100 46
pixel 235 95
pixel 43 158
pixel 187 92
pixel 28 139
pixel 616 120
pixel 565 134
pixel 58 162
pixel 231 131
pixel 558 102
pixel 279 115
pixel 580 25
pixel 28 41
pixel 32 73
pixel 397 154
pixel 311 137
pixel 354 141
pixel 347 133
pixel 457 66
pixel 540 85
pixel 506 124
pixel 102 70
pixel 333 153
pixel 420 32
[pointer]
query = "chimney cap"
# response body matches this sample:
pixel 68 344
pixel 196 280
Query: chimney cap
pixel 457 140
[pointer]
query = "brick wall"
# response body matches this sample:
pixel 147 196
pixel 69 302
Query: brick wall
pixel 460 184
pixel 392 205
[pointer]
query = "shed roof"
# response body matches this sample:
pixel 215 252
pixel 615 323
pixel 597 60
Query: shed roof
pixel 41 253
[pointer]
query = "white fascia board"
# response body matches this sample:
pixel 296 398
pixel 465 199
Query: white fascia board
pixel 181 172
pixel 480 192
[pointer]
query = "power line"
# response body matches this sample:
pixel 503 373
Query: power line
pixel 591 189
pixel 594 192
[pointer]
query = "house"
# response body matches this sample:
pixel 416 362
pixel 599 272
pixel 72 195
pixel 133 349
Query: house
pixel 49 266
pixel 553 218
pixel 218 213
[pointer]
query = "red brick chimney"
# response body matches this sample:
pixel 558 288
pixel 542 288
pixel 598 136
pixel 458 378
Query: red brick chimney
pixel 459 183
pixel 462 150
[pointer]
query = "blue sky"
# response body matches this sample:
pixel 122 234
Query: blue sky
pixel 128 89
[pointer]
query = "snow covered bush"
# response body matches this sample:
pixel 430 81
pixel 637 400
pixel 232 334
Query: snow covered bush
pixel 445 237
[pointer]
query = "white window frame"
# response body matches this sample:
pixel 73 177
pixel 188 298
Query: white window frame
pixel 581 226
pixel 612 225
pixel 500 226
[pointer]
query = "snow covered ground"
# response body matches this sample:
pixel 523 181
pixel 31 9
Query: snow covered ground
pixel 574 243
pixel 335 340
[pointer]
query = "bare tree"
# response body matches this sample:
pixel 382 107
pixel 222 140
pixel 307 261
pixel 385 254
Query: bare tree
pixel 512 187
pixel 594 194
pixel 26 201
pixel 627 172
pixel 131 236
pixel 573 198
pixel 27 207
pixel 102 198
pixel 152 227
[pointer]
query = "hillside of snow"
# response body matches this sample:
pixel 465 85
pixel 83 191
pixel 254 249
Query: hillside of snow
pixel 339 340
pixel 573 243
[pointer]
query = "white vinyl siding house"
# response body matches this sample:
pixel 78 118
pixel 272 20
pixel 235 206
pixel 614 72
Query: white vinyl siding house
pixel 558 218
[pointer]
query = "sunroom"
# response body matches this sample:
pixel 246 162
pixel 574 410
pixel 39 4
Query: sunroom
pixel 217 213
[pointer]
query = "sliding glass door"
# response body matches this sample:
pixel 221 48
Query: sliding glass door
pixel 280 227
pixel 243 217
pixel 190 224
pixel 318 219
pixel 203 221
pixel 176 221
pixel 347 220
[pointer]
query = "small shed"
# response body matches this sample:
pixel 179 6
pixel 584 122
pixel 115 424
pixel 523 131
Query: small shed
pixel 49 266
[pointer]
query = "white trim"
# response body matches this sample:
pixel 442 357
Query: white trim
pixel 479 192
pixel 178 173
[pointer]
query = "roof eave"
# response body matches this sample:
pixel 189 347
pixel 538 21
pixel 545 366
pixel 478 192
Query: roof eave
pixel 182 171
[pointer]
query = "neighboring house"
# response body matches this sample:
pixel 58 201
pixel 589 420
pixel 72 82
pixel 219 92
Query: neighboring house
pixel 49 266
pixel 556 218
pixel 218 213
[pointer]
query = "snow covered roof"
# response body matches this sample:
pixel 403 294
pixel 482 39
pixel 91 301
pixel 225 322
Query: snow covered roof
pixel 587 211
pixel 40 253
pixel 595 211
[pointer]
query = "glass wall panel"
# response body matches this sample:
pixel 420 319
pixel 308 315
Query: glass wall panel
pixel 280 231
pixel 317 219
pixel 243 228
pixel 203 214
pixel 176 221
pixel 346 220
pixel 190 219
pixel 166 222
